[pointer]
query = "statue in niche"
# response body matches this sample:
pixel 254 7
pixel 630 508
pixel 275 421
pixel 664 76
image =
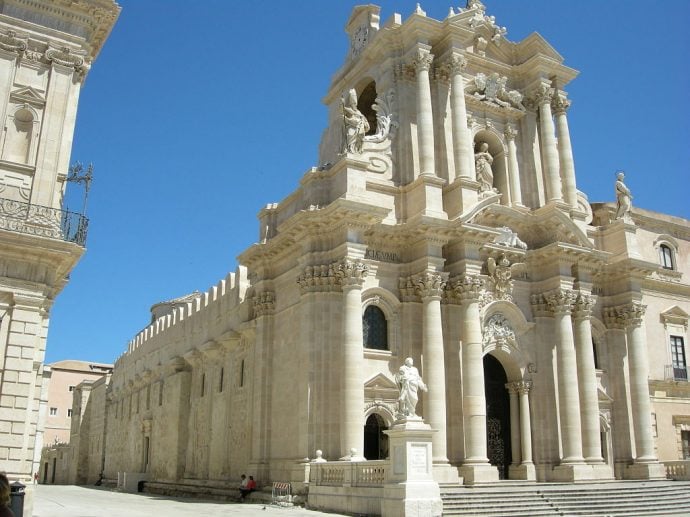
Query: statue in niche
pixel 409 382
pixel 623 198
pixel 356 124
pixel 482 164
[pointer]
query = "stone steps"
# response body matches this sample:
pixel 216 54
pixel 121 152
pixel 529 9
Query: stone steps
pixel 614 499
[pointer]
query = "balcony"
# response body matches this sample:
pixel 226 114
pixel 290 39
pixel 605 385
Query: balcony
pixel 42 221
pixel 676 373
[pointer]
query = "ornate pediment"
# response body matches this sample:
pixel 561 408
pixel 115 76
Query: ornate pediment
pixel 381 387
pixel 675 316
pixel 28 95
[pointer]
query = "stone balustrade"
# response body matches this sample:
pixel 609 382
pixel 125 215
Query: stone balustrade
pixel 678 470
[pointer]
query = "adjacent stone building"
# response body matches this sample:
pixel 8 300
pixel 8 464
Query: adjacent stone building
pixel 46 49
pixel 443 223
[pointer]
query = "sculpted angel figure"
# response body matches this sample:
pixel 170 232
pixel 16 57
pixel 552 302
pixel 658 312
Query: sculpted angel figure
pixel 356 124
pixel 501 273
pixel 623 197
pixel 409 382
pixel 482 164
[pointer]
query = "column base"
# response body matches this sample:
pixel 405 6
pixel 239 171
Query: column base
pixel 573 472
pixel 526 472
pixel 479 473
pixel 654 470
pixel 412 499
pixel 445 473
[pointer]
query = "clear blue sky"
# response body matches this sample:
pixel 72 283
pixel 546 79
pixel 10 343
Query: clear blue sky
pixel 198 113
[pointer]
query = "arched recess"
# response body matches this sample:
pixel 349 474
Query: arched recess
pixel 21 135
pixel 375 440
pixel 366 97
pixel 390 306
pixel 499 165
pixel 503 324
pixel 599 343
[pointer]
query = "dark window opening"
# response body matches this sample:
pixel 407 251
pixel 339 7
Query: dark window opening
pixel 365 104
pixel 375 328
pixel 666 256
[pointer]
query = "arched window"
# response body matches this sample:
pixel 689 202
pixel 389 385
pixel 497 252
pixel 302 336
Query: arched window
pixel 365 104
pixel 666 256
pixel 375 441
pixel 375 328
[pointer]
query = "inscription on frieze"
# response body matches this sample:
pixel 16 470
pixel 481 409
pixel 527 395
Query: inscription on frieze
pixel 382 256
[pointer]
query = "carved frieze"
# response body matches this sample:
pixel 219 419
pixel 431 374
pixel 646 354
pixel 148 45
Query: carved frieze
pixel 264 303
pixel 321 277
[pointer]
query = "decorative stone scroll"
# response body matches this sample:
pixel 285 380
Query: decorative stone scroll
pixel 11 42
pixel 386 120
pixel 492 89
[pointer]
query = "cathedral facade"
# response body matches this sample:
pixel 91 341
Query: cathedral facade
pixel 443 224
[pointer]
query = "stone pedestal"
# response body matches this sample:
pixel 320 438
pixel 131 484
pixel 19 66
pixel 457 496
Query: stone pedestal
pixel 652 470
pixel 572 472
pixel 410 488
pixel 425 197
pixel 526 471
pixel 460 196
pixel 479 473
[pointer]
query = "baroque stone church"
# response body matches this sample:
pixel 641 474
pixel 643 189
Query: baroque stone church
pixel 444 224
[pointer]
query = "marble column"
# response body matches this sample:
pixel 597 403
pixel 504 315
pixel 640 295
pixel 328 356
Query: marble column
pixel 565 151
pixel 560 302
pixel 462 143
pixel 632 315
pixel 352 275
pixel 515 428
pixel 525 423
pixel 542 98
pixel 430 288
pixel 587 377
pixel 425 117
pixel 513 167
pixel 476 467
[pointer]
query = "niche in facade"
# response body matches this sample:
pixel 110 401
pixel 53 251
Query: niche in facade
pixel 490 165
pixel 365 104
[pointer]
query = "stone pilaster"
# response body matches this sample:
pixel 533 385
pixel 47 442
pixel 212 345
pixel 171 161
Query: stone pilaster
pixel 565 151
pixel 542 98
pixel 513 168
pixel 352 275
pixel 476 467
pixel 462 143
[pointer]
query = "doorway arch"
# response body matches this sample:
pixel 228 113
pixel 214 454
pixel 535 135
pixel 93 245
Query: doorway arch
pixel 497 415
pixel 375 441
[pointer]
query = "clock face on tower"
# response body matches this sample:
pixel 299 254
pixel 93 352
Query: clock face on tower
pixel 359 39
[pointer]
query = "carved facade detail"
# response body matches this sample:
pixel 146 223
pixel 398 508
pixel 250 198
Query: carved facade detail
pixel 625 316
pixel 11 42
pixel 560 301
pixel 501 273
pixel 498 329
pixel 466 288
pixel 264 303
pixel 492 89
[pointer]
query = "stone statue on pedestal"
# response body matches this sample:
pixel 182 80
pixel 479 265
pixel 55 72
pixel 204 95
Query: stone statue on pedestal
pixel 482 164
pixel 623 198
pixel 409 382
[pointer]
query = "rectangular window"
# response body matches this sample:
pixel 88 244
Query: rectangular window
pixel 71 388
pixel 69 413
pixel 655 433
pixel 680 371
pixel 53 411
pixel 685 438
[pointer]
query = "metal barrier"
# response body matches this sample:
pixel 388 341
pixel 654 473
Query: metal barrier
pixel 281 494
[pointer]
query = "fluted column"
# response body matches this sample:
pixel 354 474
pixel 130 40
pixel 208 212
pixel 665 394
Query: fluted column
pixel 542 98
pixel 587 377
pixel 352 275
pixel 513 167
pixel 632 315
pixel 525 423
pixel 468 289
pixel 560 301
pixel 425 118
pixel 430 288
pixel 565 151
pixel 515 430
pixel 462 144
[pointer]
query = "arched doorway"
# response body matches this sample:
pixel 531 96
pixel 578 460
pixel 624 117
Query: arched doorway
pixel 375 442
pixel 497 415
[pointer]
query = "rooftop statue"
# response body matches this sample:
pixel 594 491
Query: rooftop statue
pixel 409 382
pixel 356 124
pixel 623 198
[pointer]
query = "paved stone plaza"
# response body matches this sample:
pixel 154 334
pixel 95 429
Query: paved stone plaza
pixel 76 501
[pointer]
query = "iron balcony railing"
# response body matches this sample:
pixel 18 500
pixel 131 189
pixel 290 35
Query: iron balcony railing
pixel 676 373
pixel 43 221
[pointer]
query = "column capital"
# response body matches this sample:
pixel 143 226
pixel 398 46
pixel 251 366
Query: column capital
pixel 524 387
pixel 352 273
pixel 628 315
pixel 422 60
pixel 318 278
pixel 451 66
pixel 583 305
pixel 542 95
pixel 430 284
pixel 510 133
pixel 560 301
pixel 559 103
pixel 13 42
pixel 264 303
pixel 467 288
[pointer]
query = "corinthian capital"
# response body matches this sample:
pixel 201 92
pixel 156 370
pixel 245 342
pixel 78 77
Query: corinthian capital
pixel 582 308
pixel 456 64
pixel 560 301
pixel 422 60
pixel 430 284
pixel 264 303
pixel 510 133
pixel 322 277
pixel 632 313
pixel 352 272
pixel 542 95
pixel 559 103
pixel 468 288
